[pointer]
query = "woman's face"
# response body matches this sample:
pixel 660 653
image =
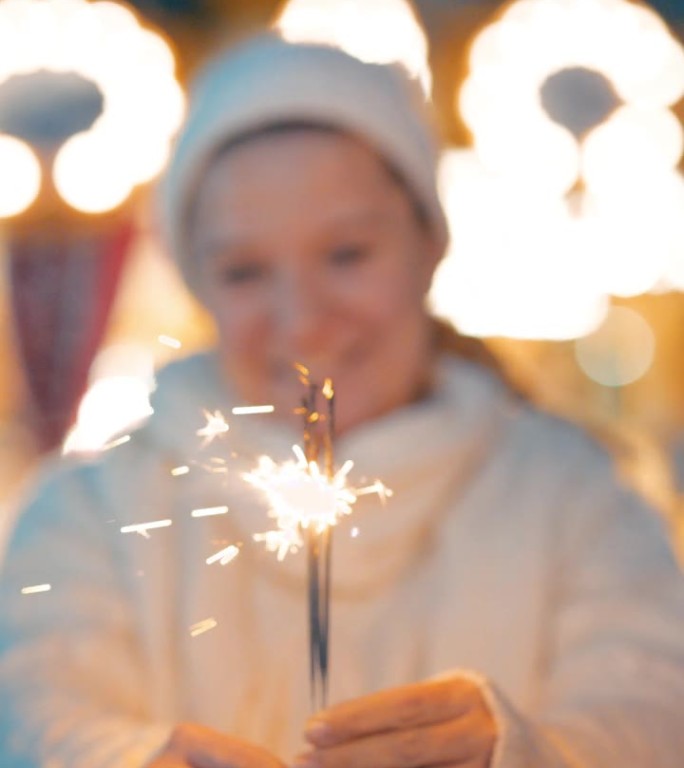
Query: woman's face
pixel 310 252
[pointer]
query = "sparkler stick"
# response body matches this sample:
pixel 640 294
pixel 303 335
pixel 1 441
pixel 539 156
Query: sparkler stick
pixel 319 540
pixel 306 499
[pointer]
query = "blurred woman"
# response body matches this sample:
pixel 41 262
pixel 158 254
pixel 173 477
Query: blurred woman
pixel 513 605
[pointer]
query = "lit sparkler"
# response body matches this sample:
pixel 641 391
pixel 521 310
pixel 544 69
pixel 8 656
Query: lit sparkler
pixel 306 498
pixel 301 498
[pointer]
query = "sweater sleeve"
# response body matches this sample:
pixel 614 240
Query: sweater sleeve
pixel 72 685
pixel 614 673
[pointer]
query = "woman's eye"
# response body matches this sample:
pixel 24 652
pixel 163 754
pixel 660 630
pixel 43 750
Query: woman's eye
pixel 241 273
pixel 349 254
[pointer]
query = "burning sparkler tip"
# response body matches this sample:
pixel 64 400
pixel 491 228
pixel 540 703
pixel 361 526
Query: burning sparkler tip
pixel 216 425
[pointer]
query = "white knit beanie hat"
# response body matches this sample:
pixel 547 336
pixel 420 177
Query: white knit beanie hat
pixel 267 81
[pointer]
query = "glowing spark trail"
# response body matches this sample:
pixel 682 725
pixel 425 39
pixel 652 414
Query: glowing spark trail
pixel 143 528
pixel 224 556
pixel 177 471
pixel 36 588
pixel 114 443
pixel 203 626
pixel 208 511
pixel 378 487
pixel 169 341
pixel 245 410
pixel 216 465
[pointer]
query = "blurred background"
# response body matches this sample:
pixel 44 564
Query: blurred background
pixel 562 179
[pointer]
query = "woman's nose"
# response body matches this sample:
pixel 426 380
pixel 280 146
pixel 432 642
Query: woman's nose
pixel 302 309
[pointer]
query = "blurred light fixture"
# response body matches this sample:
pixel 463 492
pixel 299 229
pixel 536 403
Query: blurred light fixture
pixel 380 31
pixel 559 205
pixel 19 176
pixel 132 67
pixel 511 60
pixel 516 265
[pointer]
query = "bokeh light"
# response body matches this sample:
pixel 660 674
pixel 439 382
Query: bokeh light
pixel 633 145
pixel 20 176
pixel 620 351
pixel 89 176
pixel 636 234
pixel 118 397
pixel 133 68
pixel 516 266
pixel 380 32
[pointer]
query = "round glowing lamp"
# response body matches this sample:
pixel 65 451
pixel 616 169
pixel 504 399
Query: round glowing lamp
pixel 19 176
pixel 131 67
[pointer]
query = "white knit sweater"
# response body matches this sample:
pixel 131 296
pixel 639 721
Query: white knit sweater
pixel 509 550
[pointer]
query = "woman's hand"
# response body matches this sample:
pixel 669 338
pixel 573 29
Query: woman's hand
pixel 444 722
pixel 195 746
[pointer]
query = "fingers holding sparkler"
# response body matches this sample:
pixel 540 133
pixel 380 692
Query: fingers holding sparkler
pixel 432 723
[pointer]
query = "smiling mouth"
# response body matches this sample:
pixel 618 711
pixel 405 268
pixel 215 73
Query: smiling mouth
pixel 284 372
